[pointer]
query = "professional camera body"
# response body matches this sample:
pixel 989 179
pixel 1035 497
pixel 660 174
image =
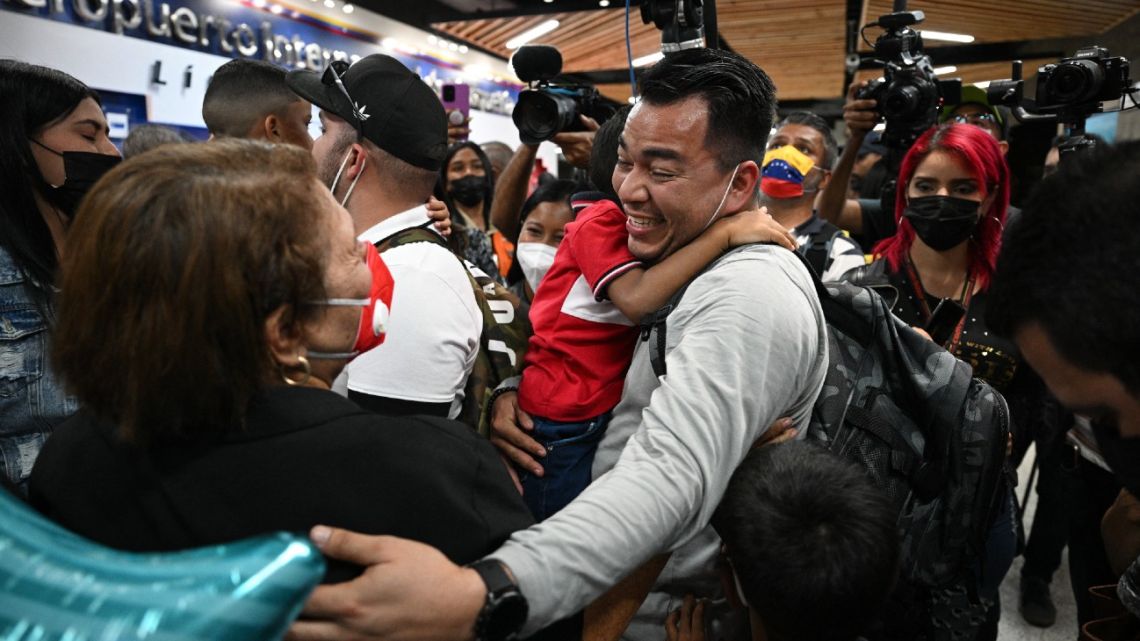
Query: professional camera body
pixel 682 23
pixel 1068 92
pixel 1089 77
pixel 909 95
pixel 547 108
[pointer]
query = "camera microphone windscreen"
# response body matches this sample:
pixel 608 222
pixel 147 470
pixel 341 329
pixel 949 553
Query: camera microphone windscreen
pixel 536 62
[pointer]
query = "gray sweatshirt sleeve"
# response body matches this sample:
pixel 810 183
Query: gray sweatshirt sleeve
pixel 745 348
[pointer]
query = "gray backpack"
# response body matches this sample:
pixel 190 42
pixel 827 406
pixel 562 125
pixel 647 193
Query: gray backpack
pixel 927 432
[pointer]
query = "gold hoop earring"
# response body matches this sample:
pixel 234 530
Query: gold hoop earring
pixel 304 362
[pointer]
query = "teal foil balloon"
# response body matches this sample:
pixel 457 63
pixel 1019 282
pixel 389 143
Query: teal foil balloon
pixel 57 586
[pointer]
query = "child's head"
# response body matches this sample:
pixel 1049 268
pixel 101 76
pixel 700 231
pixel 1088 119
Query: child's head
pixel 812 542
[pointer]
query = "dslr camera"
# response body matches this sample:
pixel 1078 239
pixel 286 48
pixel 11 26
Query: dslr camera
pixel 547 108
pixel 908 95
pixel 1090 76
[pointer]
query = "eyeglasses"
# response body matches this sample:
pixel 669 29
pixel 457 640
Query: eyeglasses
pixel 980 118
pixel 332 77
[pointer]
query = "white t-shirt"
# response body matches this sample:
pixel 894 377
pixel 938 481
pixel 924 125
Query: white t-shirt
pixel 434 328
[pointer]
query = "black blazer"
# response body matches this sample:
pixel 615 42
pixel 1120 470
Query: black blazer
pixel 305 457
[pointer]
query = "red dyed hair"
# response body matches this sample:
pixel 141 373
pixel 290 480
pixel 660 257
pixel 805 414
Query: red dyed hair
pixel 978 152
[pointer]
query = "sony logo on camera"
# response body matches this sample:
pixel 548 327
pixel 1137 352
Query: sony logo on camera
pixel 1089 76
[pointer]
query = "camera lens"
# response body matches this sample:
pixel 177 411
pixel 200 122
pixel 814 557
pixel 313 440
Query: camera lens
pixel 1075 81
pixel 901 101
pixel 539 115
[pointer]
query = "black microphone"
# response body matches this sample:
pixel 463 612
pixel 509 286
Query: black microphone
pixel 536 62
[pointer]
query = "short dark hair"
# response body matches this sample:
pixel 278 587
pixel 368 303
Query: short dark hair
pixel 241 93
pixel 175 261
pixel 808 119
pixel 812 541
pixel 1064 264
pixel 604 153
pixel 32 98
pixel 143 138
pixel 741 99
pixel 499 153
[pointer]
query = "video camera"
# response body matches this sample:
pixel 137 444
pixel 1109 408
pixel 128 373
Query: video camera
pixel 1068 91
pixel 547 108
pixel 682 22
pixel 908 95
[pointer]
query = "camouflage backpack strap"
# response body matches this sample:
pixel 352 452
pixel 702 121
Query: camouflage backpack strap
pixel 419 234
pixel 502 348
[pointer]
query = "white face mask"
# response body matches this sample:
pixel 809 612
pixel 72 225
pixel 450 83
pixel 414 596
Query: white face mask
pixel 535 260
pixel 723 199
pixel 340 171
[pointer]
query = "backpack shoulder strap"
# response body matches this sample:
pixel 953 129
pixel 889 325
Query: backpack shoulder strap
pixel 418 234
pixel 653 327
pixel 818 251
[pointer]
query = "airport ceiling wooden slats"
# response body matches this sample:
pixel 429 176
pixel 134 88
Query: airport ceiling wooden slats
pixel 800 43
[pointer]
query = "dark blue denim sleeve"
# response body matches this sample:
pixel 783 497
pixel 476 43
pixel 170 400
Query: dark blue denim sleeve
pixel 32 399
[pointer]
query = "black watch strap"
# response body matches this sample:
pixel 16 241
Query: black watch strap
pixel 505 610
pixel 494 575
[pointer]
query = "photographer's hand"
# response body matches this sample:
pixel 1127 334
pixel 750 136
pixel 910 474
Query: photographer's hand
pixel 832 203
pixel 859 115
pixel 576 145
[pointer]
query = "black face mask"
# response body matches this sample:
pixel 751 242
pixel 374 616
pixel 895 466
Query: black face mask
pixel 468 190
pixel 1121 454
pixel 942 222
pixel 81 170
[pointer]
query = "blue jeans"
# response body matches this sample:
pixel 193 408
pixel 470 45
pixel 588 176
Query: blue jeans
pixel 567 465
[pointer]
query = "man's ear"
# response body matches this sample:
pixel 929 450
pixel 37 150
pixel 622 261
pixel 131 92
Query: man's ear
pixel 283 336
pixel 825 180
pixel 1004 147
pixel 272 126
pixel 355 164
pixel 744 186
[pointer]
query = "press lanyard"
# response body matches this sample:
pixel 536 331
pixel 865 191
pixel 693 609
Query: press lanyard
pixel 964 300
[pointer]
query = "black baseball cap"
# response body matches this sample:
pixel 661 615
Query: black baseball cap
pixel 388 103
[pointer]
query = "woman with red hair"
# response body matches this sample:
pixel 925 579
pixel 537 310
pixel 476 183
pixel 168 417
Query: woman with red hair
pixel 951 207
pixel 953 193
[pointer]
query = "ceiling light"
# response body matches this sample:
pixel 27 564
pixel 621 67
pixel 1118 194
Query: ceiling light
pixel 603 3
pixel 531 34
pixel 942 71
pixel 432 39
pixel 948 37
pixel 276 9
pixel 330 4
pixel 452 46
pixel 260 4
pixel 631 100
pixel 463 49
pixel 648 60
pixel 349 8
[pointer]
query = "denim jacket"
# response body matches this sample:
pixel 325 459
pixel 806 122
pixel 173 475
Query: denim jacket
pixel 32 400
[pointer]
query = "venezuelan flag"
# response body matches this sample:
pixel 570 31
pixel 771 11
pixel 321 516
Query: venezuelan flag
pixel 782 175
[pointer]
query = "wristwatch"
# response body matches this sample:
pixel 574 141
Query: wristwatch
pixel 505 610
